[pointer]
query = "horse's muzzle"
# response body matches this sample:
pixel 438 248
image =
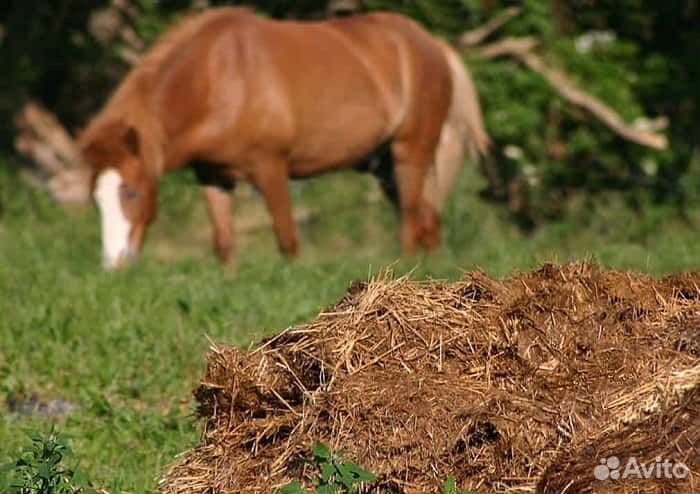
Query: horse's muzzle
pixel 120 261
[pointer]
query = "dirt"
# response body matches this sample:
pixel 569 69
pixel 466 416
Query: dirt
pixel 36 406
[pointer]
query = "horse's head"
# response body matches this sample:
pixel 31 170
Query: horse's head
pixel 124 187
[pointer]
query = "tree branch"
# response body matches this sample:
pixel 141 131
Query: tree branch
pixel 476 36
pixel 522 50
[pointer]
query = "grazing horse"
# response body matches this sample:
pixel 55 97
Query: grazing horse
pixel 239 96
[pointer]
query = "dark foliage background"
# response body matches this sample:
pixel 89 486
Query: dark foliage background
pixel 638 56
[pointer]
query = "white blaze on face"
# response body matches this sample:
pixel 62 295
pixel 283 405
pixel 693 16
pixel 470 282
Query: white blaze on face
pixel 115 225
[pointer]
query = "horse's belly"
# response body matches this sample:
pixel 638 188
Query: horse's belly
pixel 341 138
pixel 329 158
pixel 313 166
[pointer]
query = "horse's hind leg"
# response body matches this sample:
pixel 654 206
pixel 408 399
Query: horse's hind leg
pixel 419 223
pixel 270 177
pixel 430 227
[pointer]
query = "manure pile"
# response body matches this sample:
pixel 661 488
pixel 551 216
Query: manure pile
pixel 515 385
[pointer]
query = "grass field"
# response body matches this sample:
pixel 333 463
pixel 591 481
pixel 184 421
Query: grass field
pixel 129 346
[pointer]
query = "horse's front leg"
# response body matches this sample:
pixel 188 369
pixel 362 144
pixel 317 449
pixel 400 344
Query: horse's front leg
pixel 270 177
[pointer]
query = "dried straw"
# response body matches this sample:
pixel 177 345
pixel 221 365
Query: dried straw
pixel 492 381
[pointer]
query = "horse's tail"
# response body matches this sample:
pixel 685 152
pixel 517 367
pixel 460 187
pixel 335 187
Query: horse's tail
pixel 463 128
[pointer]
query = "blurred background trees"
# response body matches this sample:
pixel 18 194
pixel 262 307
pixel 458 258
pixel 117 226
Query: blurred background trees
pixel 638 57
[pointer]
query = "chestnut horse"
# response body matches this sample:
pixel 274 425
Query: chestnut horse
pixel 239 96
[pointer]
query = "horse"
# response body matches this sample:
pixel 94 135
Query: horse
pixel 241 97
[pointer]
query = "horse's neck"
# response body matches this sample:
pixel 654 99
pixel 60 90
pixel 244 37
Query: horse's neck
pixel 138 113
pixel 154 150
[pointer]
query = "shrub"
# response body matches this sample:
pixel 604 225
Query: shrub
pixel 41 469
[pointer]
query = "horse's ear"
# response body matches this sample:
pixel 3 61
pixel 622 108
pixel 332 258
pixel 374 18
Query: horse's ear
pixel 132 140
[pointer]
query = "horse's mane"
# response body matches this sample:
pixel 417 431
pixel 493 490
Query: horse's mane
pixel 181 31
pixel 126 102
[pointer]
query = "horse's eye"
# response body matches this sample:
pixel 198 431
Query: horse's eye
pixel 129 193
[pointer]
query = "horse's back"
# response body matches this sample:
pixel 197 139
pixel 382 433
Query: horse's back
pixel 430 81
pixel 343 87
pixel 322 93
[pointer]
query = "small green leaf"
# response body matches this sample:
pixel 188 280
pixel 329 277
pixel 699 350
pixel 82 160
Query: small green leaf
pixel 325 489
pixel 450 486
pixel 347 478
pixel 321 451
pixel 360 473
pixel 34 436
pixel 327 471
pixel 44 470
pixel 295 487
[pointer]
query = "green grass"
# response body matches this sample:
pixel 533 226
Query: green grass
pixel 130 346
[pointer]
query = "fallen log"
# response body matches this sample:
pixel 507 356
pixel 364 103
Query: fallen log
pixel 54 156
